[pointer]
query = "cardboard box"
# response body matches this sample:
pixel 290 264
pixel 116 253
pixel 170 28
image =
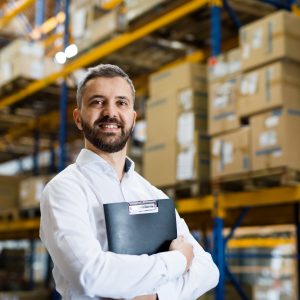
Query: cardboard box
pixel 275 85
pixel 182 76
pixel 272 38
pixel 169 115
pixel 160 163
pixel 230 153
pixel 9 192
pixel 189 123
pixel 31 190
pixel 223 99
pixel 225 64
pixel 161 117
pixel 191 99
pixel 166 162
pixel 99 29
pixel 274 139
pixel 137 8
pixel 22 47
pixel 192 160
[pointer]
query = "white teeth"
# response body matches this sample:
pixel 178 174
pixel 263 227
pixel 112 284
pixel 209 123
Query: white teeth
pixel 110 126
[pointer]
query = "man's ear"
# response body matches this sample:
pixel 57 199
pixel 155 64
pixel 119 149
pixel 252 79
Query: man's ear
pixel 134 118
pixel 77 118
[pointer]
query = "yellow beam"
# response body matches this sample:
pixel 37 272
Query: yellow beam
pixel 111 4
pixel 106 49
pixel 263 197
pixel 194 205
pixel 19 225
pixel 260 242
pixel 13 13
pixel 296 9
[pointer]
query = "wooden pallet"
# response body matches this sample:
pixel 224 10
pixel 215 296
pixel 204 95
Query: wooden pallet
pixel 281 176
pixel 9 214
pixel 187 189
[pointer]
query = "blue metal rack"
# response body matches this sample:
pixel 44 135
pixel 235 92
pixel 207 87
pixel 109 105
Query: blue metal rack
pixel 64 99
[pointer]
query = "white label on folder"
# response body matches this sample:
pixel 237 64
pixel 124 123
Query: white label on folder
pixel 143 208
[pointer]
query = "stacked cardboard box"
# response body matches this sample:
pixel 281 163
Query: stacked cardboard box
pixel 274 139
pixel 89 27
pixel 177 144
pixel 230 142
pixel 230 153
pixel 31 190
pixel 272 38
pixel 264 93
pixel 9 192
pixel 25 59
pixel 269 89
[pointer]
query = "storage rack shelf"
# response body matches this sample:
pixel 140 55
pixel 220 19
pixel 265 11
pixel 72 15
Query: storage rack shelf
pixel 280 200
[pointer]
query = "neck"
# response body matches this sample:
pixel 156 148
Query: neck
pixel 116 159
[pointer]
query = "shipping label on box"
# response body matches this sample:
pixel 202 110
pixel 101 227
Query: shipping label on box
pixel 271 38
pixel 223 106
pixel 193 159
pixel 191 99
pixel 224 65
pixel 275 85
pixel 230 153
pixel 273 138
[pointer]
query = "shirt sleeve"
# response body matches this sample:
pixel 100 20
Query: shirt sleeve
pixel 67 234
pixel 201 277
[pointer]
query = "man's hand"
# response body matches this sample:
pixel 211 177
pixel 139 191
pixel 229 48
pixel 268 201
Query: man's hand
pixel 145 297
pixel 185 248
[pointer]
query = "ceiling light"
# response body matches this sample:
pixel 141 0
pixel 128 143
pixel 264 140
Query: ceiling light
pixel 71 51
pixel 60 57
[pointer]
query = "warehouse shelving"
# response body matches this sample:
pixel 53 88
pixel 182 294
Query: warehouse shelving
pixel 223 208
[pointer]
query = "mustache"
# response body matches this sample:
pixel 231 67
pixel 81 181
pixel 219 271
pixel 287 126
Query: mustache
pixel 107 119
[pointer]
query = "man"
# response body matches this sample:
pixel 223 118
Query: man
pixel 72 219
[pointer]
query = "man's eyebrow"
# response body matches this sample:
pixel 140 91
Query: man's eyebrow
pixel 95 96
pixel 123 98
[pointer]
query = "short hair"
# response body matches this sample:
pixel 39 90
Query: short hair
pixel 102 70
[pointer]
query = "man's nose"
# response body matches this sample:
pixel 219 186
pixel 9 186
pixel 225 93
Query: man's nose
pixel 109 110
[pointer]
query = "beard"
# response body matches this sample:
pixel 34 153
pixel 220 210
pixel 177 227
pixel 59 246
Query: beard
pixel 106 141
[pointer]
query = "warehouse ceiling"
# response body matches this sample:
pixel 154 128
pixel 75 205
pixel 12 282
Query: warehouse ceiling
pixel 39 111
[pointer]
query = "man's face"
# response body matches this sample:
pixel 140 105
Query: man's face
pixel 106 116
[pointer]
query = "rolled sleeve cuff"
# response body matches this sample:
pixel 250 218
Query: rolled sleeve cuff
pixel 175 262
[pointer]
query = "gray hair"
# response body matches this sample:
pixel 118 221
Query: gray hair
pixel 102 70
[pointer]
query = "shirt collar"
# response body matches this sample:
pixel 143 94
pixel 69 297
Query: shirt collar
pixel 87 156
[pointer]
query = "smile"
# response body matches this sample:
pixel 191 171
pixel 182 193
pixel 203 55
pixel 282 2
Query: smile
pixel 109 126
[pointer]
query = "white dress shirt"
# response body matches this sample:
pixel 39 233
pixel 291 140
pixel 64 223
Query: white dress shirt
pixel 73 230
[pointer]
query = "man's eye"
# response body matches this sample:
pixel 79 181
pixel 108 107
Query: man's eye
pixel 123 103
pixel 97 102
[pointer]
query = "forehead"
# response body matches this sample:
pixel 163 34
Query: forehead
pixel 115 86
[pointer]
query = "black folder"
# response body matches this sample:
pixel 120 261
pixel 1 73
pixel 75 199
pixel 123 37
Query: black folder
pixel 141 227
